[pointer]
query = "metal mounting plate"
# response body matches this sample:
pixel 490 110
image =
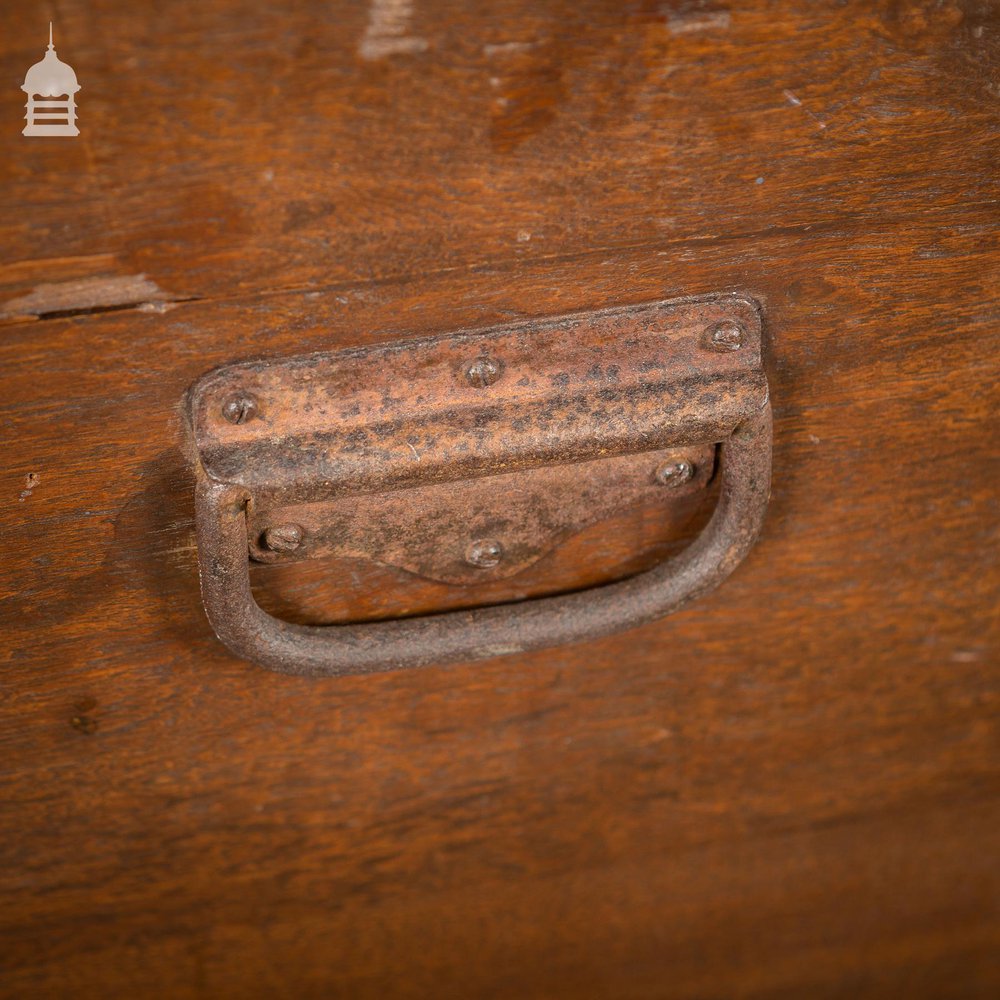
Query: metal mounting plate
pixel 428 529
pixel 523 433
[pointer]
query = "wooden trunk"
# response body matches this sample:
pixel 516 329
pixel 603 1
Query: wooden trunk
pixel 788 788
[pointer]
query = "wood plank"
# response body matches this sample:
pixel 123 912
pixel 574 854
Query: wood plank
pixel 844 679
pixel 787 789
pixel 227 147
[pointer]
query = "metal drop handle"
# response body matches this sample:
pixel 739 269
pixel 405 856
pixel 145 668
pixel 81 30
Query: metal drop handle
pixel 335 650
pixel 699 380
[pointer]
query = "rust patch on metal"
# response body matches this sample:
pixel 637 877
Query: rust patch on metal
pixel 569 389
pixel 428 530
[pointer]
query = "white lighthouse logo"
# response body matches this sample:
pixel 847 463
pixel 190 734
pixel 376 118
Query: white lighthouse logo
pixel 51 78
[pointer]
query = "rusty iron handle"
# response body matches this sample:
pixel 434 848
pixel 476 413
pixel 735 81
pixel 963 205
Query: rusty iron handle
pixel 284 447
pixel 333 650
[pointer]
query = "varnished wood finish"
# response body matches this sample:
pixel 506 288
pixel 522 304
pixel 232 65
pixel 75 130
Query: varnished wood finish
pixel 788 789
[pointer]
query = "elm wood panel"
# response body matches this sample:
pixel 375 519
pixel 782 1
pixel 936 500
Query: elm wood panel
pixel 814 913
pixel 233 147
pixel 228 820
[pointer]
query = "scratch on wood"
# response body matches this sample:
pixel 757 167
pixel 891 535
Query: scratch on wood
pixel 797 103
pixel 507 48
pixel 386 34
pixel 84 295
pixel 31 480
pixel 688 24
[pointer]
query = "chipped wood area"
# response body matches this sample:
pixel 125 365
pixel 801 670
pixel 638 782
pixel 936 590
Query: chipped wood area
pixel 790 789
pixel 86 295
pixel 387 32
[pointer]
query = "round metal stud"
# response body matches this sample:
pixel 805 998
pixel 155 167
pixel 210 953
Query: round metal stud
pixel 482 372
pixel 239 409
pixel 726 335
pixel 484 553
pixel 674 474
pixel 283 537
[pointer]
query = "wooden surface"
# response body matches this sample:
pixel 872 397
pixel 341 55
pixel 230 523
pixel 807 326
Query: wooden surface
pixel 787 790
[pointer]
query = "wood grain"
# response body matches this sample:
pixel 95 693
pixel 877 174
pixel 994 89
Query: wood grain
pixel 789 789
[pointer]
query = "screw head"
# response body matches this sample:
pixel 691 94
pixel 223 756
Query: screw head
pixel 484 553
pixel 482 372
pixel 674 474
pixel 283 537
pixel 240 408
pixel 726 335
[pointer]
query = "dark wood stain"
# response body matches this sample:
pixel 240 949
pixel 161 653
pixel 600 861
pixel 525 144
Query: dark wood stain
pixel 789 789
